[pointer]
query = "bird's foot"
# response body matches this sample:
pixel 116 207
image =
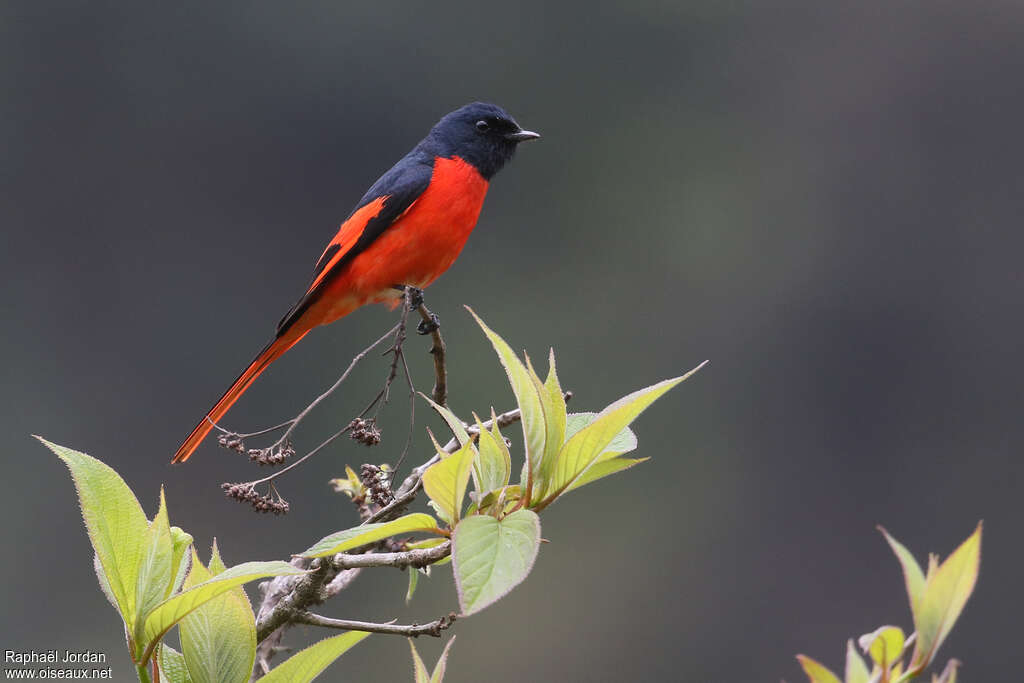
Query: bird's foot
pixel 429 326
pixel 415 295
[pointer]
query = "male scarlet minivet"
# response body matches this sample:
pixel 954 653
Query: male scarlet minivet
pixel 405 231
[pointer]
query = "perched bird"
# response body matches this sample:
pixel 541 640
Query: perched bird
pixel 407 229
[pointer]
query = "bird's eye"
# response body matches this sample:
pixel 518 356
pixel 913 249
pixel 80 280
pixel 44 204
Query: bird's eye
pixel 483 126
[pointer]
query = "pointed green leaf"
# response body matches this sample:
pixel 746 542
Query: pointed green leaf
pixel 492 557
pixel 554 419
pixel 624 442
pixel 604 468
pixel 454 423
pixel 580 451
pixel 913 577
pixel 154 573
pixel 419 669
pixel 218 639
pixel 527 396
pixel 445 482
pixel 115 522
pixel 948 674
pixel 461 435
pixel 554 410
pixel 172 666
pixel 174 609
pixel 414 579
pixel 816 671
pixel 442 663
pixel 856 669
pixel 351 485
pixel 180 559
pixel 945 593
pixel 306 665
pixel 884 645
pixel 102 578
pixel 370 533
pixel 216 563
pixel 493 462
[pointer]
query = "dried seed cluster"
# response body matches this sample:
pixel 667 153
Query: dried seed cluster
pixel 246 493
pixel 232 442
pixel 272 455
pixel 364 431
pixel 377 481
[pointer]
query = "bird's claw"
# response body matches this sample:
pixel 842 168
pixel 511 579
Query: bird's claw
pixel 415 295
pixel 429 326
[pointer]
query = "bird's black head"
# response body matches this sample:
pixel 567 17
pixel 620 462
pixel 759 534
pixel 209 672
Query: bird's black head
pixel 482 134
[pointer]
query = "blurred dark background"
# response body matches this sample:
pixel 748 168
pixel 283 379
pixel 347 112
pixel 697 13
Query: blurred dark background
pixel 822 198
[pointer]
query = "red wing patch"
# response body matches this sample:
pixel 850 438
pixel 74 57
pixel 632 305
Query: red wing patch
pixel 348 234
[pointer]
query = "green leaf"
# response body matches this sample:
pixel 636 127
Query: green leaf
pixel 491 557
pixel 181 542
pixel 604 468
pixel 115 523
pixel 414 579
pixel 856 669
pixel 419 669
pixel 584 447
pixel 101 577
pixel 884 645
pixel 454 423
pixel 351 485
pixel 554 409
pixel 816 671
pixel 174 609
pixel 442 663
pixel 946 591
pixel 494 462
pixel 948 674
pixel 341 541
pixel 550 393
pixel 155 577
pixel 445 482
pixel 218 639
pixel 624 442
pixel 913 577
pixel 306 665
pixel 172 666
pixel 216 563
pixel 531 406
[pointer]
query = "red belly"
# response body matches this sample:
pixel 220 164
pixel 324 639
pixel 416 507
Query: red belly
pixel 417 248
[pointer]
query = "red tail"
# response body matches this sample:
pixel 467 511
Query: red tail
pixel 268 355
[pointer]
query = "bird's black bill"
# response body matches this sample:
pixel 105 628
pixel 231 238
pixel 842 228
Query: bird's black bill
pixel 522 136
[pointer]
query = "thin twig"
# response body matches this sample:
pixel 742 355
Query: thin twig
pixel 294 422
pixel 303 459
pixel 434 628
pixel 412 416
pixel 362 354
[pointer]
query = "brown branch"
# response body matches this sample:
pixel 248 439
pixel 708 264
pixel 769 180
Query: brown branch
pixel 437 350
pixel 277 590
pixel 418 557
pixel 434 628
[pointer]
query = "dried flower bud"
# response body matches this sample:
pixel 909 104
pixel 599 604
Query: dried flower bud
pixel 246 493
pixel 377 481
pixel 364 431
pixel 232 442
pixel 272 455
